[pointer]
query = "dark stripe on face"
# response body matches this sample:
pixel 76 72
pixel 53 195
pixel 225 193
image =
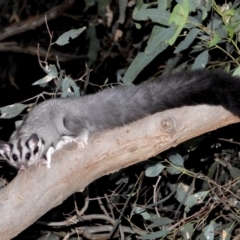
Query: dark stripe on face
pixel 11 146
pixel 19 147
pixel 35 150
pixel 6 156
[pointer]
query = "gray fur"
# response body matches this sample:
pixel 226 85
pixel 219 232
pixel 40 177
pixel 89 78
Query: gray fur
pixel 59 121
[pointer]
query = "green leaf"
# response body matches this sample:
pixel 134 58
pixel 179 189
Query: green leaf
pixel 160 16
pixel 156 235
pixel 141 6
pixel 162 4
pixel 66 84
pixel 193 6
pixel 236 71
pixel 154 170
pixel 173 170
pixel 102 7
pixel 229 13
pixel 204 12
pixel 234 172
pixel 175 158
pixel 122 10
pixel 209 4
pixel 201 60
pixel 72 84
pixel 215 40
pixel 230 30
pixel 12 111
pixel 143 212
pixel 187 231
pixel 140 62
pixel 227 232
pixel 196 198
pixel 178 30
pixel 164 34
pixel 51 70
pixel 179 17
pixel 192 22
pixel 180 13
pixel 52 73
pixel 209 231
pixel 64 38
pixel 88 4
pixel 235 22
pixel 94 45
pixel 214 24
pixel 191 36
pixel 159 222
pixel 181 193
pixel 43 80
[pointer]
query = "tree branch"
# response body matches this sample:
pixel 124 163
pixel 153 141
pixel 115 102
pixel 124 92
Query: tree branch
pixel 32 50
pixel 36 21
pixel 37 190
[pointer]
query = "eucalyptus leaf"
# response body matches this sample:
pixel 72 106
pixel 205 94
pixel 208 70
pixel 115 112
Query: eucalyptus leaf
pixel 51 236
pixel 102 6
pixel 72 84
pixel 66 84
pixel 162 4
pixel 160 16
pixel 181 193
pixel 209 4
pixel 51 70
pixel 153 170
pixel 180 13
pixel 94 45
pixel 143 212
pixel 236 71
pixel 227 232
pixel 173 170
pixel 122 10
pixel 191 36
pixel 201 60
pixel 195 199
pixel 201 236
pixel 211 172
pixel 12 111
pixel 234 172
pixel 73 33
pixel 156 235
pixel 179 17
pixel 163 35
pixel 215 40
pixel 187 231
pixel 177 31
pixel 88 4
pixel 192 22
pixel 140 62
pixel 175 158
pixel 209 231
pixel 43 80
pixel 204 12
pixel 159 222
pixel 235 20
pixel 214 24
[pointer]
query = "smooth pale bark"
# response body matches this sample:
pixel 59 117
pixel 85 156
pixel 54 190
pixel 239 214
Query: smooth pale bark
pixel 37 190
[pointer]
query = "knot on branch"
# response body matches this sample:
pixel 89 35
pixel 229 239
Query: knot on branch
pixel 168 125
